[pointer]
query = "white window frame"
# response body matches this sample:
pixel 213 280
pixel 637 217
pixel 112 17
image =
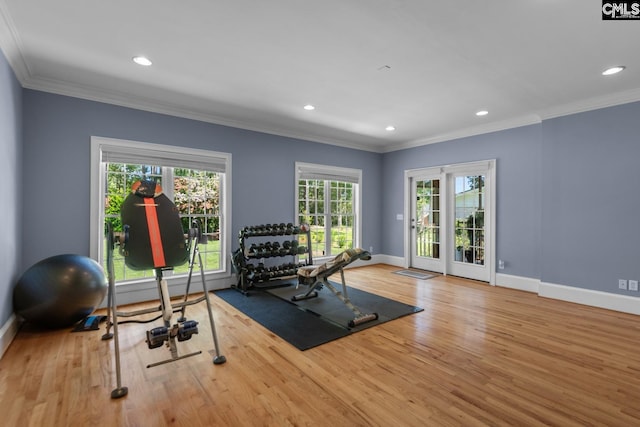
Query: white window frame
pixel 187 157
pixel 333 173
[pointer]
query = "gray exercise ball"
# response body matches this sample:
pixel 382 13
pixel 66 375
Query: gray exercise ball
pixel 59 291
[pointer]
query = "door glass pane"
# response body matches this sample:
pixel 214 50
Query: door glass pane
pixel 469 219
pixel 427 217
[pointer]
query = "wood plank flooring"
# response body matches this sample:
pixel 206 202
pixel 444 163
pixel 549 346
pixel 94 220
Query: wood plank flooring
pixel 476 356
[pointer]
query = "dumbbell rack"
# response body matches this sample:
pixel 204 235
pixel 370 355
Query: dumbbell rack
pixel 255 261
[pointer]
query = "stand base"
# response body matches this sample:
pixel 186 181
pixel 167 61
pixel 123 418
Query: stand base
pixel 173 359
pixel 363 318
pixel 119 392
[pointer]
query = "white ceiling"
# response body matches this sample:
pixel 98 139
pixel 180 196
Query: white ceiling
pixel 423 66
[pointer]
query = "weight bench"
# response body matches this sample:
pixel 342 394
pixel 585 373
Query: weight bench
pixel 317 276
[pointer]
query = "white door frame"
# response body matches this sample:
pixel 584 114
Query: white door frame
pixel 431 264
pixel 444 171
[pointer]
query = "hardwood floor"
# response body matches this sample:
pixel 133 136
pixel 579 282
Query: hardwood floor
pixel 477 355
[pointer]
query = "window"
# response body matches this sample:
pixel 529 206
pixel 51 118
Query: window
pixel 194 179
pixel 328 199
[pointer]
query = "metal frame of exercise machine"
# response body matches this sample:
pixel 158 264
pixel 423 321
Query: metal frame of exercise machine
pixel 166 334
pixel 317 276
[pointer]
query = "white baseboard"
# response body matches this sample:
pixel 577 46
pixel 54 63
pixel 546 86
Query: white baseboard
pixel 8 333
pixel 396 261
pixel 606 300
pixel 609 301
pixel 518 282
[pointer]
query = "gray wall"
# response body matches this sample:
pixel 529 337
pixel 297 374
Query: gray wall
pixel 57 145
pixel 518 211
pixel 591 198
pixel 568 196
pixel 10 186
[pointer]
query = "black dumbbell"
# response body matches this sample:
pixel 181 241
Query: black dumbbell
pixel 274 249
pixel 288 229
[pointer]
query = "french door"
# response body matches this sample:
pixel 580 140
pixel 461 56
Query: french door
pixel 425 223
pixel 451 219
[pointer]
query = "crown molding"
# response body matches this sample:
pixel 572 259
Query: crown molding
pixel 468 132
pixel 127 100
pixel 10 44
pixel 609 100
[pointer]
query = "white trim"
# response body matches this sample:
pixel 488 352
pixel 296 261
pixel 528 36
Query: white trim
pixel 12 46
pixel 396 261
pixel 431 173
pixel 326 172
pixel 90 93
pixel 487 167
pixel 588 297
pixel 8 333
pixel 606 300
pixel 494 224
pixel 519 283
pixel 406 227
pixel 28 81
pixel 525 120
pixel 335 171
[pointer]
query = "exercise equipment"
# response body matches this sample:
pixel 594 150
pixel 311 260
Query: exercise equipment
pixel 60 290
pixel 153 238
pixel 317 276
pixel 268 230
pixel 248 260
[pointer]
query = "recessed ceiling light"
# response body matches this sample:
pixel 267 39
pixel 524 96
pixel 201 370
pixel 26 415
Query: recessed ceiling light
pixel 482 113
pixel 613 70
pixel 390 128
pixel 141 60
pixel 309 107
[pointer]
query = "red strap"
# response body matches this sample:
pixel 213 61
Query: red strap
pixel 155 238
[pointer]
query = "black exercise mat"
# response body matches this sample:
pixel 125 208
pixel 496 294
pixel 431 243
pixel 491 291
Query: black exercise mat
pixel 309 323
pixel 283 319
pixel 327 306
